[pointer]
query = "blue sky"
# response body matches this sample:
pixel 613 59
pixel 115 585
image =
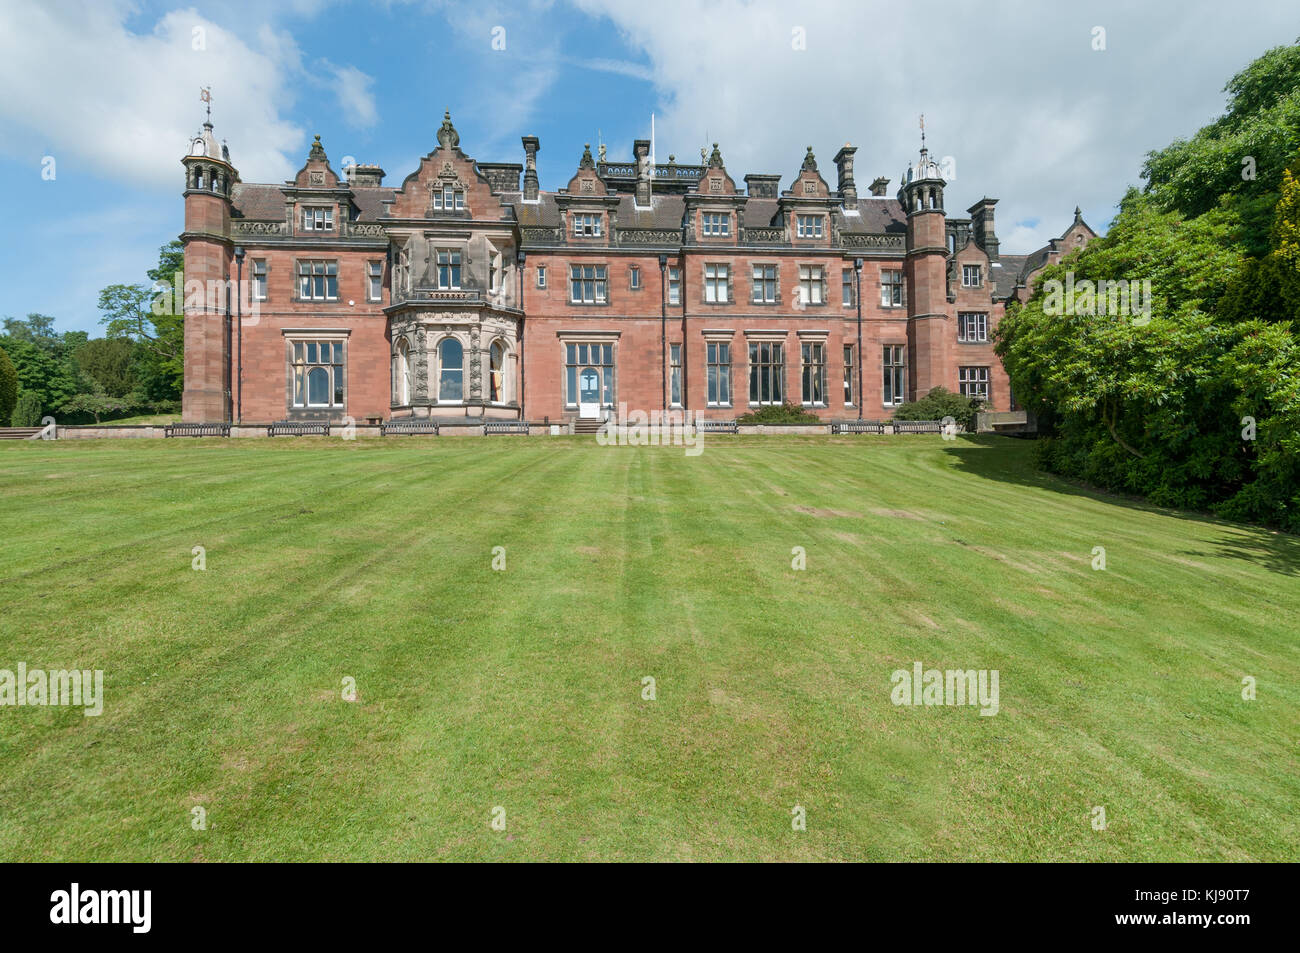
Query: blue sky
pixel 1017 93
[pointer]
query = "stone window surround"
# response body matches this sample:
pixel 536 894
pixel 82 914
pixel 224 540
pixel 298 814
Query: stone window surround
pixel 292 335
pixel 565 337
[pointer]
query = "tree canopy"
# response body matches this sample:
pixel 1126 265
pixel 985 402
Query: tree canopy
pixel 1200 406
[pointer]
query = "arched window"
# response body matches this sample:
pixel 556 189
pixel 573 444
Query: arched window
pixel 403 374
pixel 451 370
pixel 318 387
pixel 496 372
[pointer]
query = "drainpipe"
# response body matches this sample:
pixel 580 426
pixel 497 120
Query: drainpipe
pixel 857 268
pixel 239 332
pixel 521 258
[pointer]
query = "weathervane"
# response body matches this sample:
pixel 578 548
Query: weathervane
pixel 205 96
pixel 922 130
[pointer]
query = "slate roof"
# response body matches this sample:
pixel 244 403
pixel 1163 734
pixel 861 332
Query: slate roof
pixel 1012 271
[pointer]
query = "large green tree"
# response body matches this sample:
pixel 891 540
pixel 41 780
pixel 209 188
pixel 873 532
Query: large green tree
pixel 1195 402
pixel 8 388
pixel 43 358
pixel 147 314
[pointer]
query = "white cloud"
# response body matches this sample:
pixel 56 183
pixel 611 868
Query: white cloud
pixel 80 84
pixel 1013 91
pixel 355 97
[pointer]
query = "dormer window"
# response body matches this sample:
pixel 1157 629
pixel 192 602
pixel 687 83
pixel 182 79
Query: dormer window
pixel 586 225
pixel 717 224
pixel 449 198
pixel 810 226
pixel 318 219
pixel 970 276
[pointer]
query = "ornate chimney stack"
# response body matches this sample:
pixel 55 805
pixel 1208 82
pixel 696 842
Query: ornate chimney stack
pixel 880 186
pixel 981 216
pixel 844 164
pixel 531 147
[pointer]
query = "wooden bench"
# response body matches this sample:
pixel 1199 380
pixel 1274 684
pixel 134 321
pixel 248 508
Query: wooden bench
pixel 918 426
pixel 299 428
pixel 505 426
pixel 408 425
pixel 196 430
pixel 857 426
pixel 716 426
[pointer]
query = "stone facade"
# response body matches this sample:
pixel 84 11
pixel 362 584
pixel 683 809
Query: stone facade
pixel 462 295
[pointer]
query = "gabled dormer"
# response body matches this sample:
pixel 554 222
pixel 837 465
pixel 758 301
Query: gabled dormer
pixel 447 186
pixel 714 207
pixel 318 202
pixel 807 205
pixel 587 209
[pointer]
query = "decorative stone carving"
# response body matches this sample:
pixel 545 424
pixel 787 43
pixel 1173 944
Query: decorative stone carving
pixel 648 236
pixel 887 242
pixel 475 364
pixel 448 137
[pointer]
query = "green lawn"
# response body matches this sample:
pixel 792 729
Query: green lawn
pixel 522 688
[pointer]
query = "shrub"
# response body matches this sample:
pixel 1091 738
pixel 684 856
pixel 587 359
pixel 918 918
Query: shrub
pixel 8 388
pixel 27 411
pixel 778 414
pixel 941 403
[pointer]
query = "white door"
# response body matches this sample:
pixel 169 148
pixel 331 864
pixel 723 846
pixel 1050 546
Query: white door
pixel 589 393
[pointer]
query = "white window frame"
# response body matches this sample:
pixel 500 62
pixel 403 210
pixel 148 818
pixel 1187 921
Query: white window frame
pixel 449 198
pixel 261 283
pixel 967 271
pixel 887 287
pixel 324 269
pixel 317 218
pixel 715 224
pixel 301 350
pixel 762 283
pixel 374 281
pixel 598 280
pixel 717 281
pixel 587 225
pixel 810 226
pixel 893 362
pixel 812 281
pixel 453 265
pixel 775 372
pixel 973 381
pixel 717 373
pixel 812 356
pixel 973 327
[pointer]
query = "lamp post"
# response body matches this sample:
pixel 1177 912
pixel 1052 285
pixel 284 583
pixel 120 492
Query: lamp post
pixel 663 331
pixel 857 270
pixel 521 257
pixel 239 334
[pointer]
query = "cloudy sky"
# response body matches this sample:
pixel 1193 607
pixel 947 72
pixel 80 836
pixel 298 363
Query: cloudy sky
pixel 1018 94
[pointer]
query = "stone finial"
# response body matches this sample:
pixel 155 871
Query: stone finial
pixel 715 158
pixel 317 150
pixel 810 161
pixel 448 137
pixel 587 162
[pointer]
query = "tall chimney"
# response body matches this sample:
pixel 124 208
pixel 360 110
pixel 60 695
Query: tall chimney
pixel 879 186
pixel 531 147
pixel 844 164
pixel 981 215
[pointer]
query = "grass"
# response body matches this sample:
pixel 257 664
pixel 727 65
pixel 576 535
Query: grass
pixel 522 688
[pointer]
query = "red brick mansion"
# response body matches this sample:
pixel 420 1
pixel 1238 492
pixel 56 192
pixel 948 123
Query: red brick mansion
pixel 461 293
